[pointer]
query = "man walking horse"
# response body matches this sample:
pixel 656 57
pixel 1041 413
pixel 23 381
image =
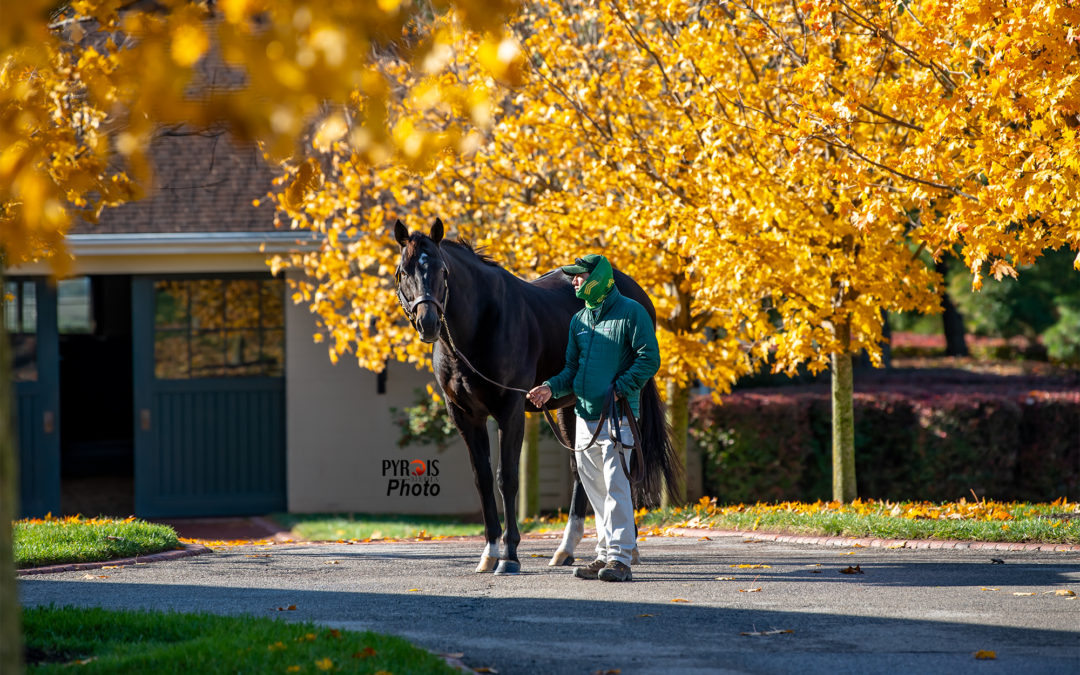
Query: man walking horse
pixel 496 337
pixel 612 350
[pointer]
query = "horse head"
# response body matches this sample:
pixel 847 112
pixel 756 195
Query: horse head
pixel 422 279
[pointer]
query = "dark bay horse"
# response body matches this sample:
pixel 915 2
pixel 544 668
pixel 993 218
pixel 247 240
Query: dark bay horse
pixel 514 333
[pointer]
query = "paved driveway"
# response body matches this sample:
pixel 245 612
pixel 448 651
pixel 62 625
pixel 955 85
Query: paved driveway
pixel 910 611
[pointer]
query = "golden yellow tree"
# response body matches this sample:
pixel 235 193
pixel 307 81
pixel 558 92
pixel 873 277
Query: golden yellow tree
pixel 769 171
pixel 684 184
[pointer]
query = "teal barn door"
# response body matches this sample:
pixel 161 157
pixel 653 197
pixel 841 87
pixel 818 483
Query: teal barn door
pixel 31 322
pixel 209 395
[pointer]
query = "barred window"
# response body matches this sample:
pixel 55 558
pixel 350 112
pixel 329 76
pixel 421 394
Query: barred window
pixel 219 328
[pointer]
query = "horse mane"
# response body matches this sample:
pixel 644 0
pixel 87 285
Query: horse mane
pixel 466 246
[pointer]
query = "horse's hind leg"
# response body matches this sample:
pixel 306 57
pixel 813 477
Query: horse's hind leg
pixel 476 439
pixel 575 525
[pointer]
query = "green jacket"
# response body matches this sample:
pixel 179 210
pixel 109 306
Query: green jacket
pixel 620 346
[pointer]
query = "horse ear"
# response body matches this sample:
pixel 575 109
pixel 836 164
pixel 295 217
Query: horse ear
pixel 401 233
pixel 437 231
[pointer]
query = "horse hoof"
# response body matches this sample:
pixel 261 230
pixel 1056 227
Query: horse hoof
pixel 487 564
pixel 635 559
pixel 561 559
pixel 508 567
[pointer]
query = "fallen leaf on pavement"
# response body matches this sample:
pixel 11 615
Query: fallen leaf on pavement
pixel 848 553
pixel 753 567
pixel 486 669
pixel 609 671
pixel 99 576
pixel 987 589
pixel 759 633
pixel 704 539
pixel 679 600
pixel 726 578
pixel 290 608
pixel 750 590
pixel 332 562
pixel 1024 594
pixel 111 567
pixel 413 590
pixel 985 654
pixel 852 570
pixel 644 616
pixel 1064 592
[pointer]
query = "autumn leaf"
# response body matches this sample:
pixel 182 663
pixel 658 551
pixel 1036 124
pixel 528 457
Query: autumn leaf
pixel 750 590
pixel 852 570
pixel 365 653
pixel 486 669
pixel 1064 592
pixel 984 654
pixel 727 578
pixel 679 600
pixel 1022 594
pixel 752 567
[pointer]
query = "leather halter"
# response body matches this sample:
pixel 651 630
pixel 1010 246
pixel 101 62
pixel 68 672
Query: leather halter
pixel 410 306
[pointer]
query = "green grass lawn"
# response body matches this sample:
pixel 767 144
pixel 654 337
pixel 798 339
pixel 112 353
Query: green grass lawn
pixel 64 640
pixel 363 526
pixel 1057 522
pixel 66 540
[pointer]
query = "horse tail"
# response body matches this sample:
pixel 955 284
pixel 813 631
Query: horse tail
pixel 661 461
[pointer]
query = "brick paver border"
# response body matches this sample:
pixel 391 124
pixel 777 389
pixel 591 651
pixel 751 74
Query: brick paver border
pixel 871 542
pixel 188 550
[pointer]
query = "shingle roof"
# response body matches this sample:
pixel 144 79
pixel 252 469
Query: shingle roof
pixel 202 183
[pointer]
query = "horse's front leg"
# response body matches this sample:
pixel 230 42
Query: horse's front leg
pixel 575 525
pixel 476 439
pixel 511 434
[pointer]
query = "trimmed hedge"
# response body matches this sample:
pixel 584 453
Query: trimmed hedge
pixel 1005 443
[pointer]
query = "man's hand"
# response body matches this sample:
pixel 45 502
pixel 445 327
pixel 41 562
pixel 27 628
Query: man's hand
pixel 538 396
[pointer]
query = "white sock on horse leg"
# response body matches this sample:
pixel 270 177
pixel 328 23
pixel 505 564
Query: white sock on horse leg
pixel 489 558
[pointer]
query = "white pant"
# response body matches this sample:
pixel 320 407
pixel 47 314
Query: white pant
pixel 608 489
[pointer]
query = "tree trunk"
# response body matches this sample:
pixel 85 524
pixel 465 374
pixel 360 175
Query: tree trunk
pixel 951 318
pixel 678 417
pixel 843 419
pixel 10 629
pixel 529 469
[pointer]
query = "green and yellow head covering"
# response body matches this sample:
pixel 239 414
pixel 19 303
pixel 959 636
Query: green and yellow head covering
pixel 600 282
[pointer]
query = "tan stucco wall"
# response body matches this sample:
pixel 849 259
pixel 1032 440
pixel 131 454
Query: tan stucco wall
pixel 340 431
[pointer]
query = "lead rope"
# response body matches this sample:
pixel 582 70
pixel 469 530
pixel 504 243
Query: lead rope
pixel 639 465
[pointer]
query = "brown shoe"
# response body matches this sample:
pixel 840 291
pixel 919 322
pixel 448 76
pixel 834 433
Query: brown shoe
pixel 615 571
pixel 589 571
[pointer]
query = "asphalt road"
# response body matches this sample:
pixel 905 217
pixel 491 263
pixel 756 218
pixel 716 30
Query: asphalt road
pixel 910 611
